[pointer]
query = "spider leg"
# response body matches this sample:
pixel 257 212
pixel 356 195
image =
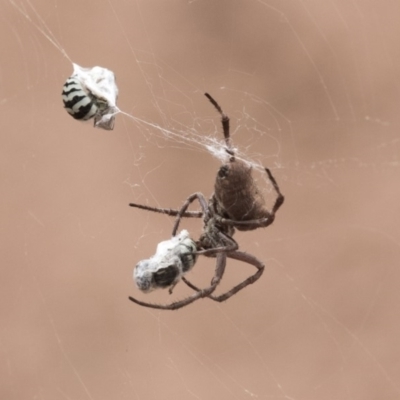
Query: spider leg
pixel 190 284
pixel 247 258
pixel 230 245
pixel 241 256
pixel 168 211
pixel 280 199
pixel 219 272
pixel 182 212
pixel 252 223
pixel 224 120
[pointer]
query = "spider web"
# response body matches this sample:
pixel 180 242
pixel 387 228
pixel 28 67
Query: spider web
pixel 312 90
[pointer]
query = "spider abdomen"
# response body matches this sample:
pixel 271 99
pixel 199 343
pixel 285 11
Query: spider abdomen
pixel 237 194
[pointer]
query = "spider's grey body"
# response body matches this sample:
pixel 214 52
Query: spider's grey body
pixel 236 203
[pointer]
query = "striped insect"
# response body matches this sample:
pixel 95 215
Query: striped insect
pixel 91 93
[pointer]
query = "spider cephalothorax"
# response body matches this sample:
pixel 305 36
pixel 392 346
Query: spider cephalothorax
pixel 236 203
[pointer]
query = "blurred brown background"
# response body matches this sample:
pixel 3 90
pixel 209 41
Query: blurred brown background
pixel 312 89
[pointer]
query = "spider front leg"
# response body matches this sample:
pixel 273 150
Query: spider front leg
pixel 181 213
pixel 219 272
pixel 168 211
pixel 225 122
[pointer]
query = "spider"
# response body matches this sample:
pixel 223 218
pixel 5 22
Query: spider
pixel 236 203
